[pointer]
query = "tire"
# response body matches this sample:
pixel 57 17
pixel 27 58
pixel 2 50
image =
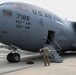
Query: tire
pixel 13 57
pixel 9 57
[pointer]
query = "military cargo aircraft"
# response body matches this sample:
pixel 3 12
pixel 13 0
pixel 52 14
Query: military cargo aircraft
pixel 30 27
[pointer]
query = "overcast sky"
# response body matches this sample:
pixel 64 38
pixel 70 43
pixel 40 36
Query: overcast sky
pixel 62 8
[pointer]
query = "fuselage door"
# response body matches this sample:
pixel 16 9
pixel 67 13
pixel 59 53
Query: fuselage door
pixel 50 38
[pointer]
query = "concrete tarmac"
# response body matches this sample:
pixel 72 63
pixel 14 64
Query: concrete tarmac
pixel 67 67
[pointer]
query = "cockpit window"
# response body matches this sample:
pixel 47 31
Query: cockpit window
pixel 15 6
pixel 19 7
pixel 22 8
pixel 7 13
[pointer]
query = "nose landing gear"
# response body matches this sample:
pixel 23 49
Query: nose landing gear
pixel 14 56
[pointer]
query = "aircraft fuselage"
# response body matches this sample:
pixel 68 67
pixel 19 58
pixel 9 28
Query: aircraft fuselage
pixel 28 27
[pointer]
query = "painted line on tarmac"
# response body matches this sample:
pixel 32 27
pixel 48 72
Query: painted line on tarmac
pixel 18 69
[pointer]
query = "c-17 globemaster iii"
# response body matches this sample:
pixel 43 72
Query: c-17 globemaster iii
pixel 30 27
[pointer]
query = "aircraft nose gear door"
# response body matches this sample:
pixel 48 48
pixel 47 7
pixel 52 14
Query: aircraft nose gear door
pixel 23 36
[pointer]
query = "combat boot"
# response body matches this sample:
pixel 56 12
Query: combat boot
pixel 45 64
pixel 48 64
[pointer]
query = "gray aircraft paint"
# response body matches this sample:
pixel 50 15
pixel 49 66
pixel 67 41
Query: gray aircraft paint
pixel 30 34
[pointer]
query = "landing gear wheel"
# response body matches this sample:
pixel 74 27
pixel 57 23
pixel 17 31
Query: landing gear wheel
pixel 13 57
pixel 9 57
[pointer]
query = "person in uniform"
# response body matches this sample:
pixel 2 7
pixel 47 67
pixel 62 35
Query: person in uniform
pixel 45 51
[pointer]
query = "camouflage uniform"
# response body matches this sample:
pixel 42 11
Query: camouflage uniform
pixel 45 56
